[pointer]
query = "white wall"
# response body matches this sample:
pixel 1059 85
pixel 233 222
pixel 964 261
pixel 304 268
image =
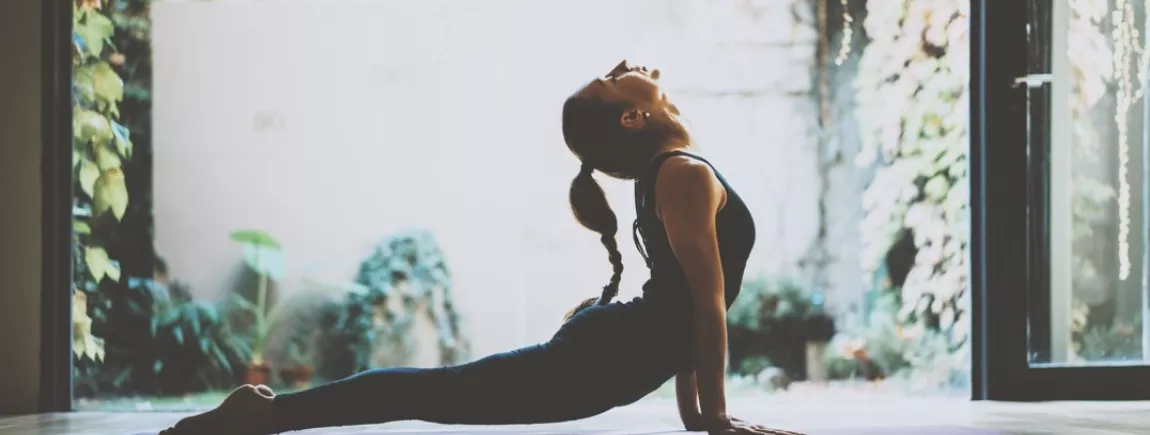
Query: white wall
pixel 332 124
pixel 20 220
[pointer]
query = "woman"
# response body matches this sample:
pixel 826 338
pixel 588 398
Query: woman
pixel 692 229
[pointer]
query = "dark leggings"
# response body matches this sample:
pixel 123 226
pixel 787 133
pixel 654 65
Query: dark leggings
pixel 599 360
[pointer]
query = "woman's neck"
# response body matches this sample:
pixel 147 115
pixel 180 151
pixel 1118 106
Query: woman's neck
pixel 678 145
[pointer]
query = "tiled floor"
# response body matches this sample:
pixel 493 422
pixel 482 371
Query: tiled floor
pixel 825 415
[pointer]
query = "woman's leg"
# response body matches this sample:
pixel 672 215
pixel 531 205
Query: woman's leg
pixel 538 384
pixel 530 385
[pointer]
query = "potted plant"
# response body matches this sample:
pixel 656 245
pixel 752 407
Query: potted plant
pixel 818 330
pixel 782 321
pixel 264 255
pixel 298 372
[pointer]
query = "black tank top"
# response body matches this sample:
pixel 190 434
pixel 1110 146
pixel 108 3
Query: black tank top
pixel 667 289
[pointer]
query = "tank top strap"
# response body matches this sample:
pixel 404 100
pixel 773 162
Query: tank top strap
pixel 648 179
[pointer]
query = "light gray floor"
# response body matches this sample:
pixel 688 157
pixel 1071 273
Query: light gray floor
pixel 832 415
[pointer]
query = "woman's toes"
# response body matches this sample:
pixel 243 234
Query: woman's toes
pixel 265 391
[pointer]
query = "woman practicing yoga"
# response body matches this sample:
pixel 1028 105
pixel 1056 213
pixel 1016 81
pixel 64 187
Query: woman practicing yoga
pixel 692 229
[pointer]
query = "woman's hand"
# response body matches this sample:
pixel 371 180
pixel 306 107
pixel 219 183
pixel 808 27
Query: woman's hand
pixel 734 426
pixel 693 423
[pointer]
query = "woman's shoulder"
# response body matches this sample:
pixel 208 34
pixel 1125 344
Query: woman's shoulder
pixel 684 171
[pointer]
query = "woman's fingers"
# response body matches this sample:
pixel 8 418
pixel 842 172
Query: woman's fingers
pixel 779 432
pixel 763 430
pixel 740 427
pixel 775 431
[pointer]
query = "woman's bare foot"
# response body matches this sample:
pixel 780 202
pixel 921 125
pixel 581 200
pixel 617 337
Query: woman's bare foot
pixel 246 411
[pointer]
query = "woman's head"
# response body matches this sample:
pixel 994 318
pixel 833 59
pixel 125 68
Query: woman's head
pixel 616 124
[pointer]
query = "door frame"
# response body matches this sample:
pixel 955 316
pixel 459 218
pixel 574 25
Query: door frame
pixel 56 162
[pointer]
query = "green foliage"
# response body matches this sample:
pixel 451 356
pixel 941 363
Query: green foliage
pixel 255 238
pixel 410 266
pixel 404 273
pixel 347 334
pixel 264 255
pixel 1121 341
pixel 766 303
pixel 913 111
pixel 879 346
pixel 84 344
pixel 752 365
pixel 131 59
pixel 771 323
pixel 262 252
pixel 156 340
pixel 100 146
pixel 160 342
pixel 884 339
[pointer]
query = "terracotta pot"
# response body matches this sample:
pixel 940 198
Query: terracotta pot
pixel 299 376
pixel 258 373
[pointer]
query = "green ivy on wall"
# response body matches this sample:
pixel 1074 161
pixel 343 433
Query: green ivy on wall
pixel 100 146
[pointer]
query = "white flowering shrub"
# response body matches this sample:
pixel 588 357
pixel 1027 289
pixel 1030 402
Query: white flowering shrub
pixel 913 110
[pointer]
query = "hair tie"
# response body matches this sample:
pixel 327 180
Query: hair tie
pixel 586 169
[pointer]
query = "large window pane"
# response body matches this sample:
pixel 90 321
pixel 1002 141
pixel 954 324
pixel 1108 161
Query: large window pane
pixel 1093 145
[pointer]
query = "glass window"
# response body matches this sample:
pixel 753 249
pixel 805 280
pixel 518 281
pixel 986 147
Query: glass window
pixel 1088 143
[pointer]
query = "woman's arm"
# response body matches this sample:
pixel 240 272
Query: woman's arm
pixel 687 395
pixel 688 196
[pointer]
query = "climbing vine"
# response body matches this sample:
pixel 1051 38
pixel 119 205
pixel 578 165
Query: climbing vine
pixel 100 147
pixel 912 95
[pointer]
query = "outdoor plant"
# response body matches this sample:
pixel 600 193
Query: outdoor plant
pixel 405 272
pixel 84 344
pixel 1121 341
pixel 160 342
pixel 347 334
pixel 100 146
pixel 772 321
pixel 263 254
pixel 912 99
pixel 880 346
pixel 297 370
pixel 130 56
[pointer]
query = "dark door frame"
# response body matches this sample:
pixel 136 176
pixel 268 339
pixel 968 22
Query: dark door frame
pixel 56 131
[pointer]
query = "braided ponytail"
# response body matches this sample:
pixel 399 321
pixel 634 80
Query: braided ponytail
pixel 589 204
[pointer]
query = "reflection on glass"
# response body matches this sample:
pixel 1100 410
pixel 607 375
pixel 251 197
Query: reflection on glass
pixel 1097 197
pixel 309 190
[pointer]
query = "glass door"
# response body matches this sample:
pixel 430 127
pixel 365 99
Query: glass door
pixel 1060 200
pixel 1088 141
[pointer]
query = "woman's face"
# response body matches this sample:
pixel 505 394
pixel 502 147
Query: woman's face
pixel 636 85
